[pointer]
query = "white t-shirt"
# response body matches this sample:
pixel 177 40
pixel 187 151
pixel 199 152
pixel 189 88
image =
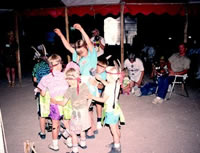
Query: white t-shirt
pixel 97 47
pixel 179 63
pixel 135 69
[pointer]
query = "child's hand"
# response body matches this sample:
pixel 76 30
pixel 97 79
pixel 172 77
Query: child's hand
pixel 90 96
pixel 65 102
pixel 52 100
pixel 58 32
pixel 93 82
pixel 97 77
pixel 77 26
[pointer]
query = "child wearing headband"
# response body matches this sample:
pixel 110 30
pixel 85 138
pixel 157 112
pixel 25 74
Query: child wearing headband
pixel 55 84
pixel 112 113
pixel 77 93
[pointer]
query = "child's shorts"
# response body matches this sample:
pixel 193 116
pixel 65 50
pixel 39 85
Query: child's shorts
pixel 54 112
pixel 111 118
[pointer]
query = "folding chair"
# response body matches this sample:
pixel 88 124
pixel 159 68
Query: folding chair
pixel 179 80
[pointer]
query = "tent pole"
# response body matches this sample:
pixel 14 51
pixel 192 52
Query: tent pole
pixel 186 25
pixel 67 30
pixel 18 50
pixel 122 33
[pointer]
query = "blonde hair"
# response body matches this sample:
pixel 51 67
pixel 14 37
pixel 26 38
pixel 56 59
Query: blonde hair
pixel 54 59
pixel 72 74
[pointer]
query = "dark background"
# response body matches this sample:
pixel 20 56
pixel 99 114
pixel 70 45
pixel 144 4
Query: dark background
pixel 152 28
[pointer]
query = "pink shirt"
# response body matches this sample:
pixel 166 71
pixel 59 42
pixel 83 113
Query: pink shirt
pixel 55 83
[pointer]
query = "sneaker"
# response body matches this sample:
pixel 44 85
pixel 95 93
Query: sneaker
pixel 52 147
pixel 157 100
pixel 42 135
pixel 99 126
pixel 115 150
pixel 65 134
pixel 111 145
pixel 82 144
pixel 68 142
pixel 138 92
pixel 13 84
pixel 90 136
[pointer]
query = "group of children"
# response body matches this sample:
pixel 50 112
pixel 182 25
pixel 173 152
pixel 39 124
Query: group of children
pixel 69 94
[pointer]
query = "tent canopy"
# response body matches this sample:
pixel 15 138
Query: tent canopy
pixel 55 8
pixel 92 7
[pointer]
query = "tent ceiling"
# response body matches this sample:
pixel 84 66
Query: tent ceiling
pixel 55 8
pixel 29 4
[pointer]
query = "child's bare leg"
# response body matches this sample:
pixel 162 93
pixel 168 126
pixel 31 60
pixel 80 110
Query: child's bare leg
pixel 74 142
pixel 99 115
pixel 42 124
pixel 115 133
pixel 66 131
pixel 66 123
pixel 83 140
pixel 55 129
pixel 93 128
pixel 99 110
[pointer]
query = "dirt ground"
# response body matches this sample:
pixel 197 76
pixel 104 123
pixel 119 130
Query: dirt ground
pixel 171 127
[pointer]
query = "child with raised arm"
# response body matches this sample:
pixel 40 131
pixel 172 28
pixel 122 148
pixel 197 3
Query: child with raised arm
pixel 55 84
pixel 112 112
pixel 77 93
pixel 85 55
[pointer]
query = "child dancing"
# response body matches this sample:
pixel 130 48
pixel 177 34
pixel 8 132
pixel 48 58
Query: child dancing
pixel 56 85
pixel 112 112
pixel 77 93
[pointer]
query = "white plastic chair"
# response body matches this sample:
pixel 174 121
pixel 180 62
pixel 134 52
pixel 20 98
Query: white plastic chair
pixel 179 80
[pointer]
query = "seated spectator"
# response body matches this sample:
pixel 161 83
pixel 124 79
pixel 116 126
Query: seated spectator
pixel 136 72
pixel 159 69
pixel 178 64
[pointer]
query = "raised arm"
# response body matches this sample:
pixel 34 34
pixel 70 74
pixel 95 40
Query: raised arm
pixel 85 36
pixel 64 41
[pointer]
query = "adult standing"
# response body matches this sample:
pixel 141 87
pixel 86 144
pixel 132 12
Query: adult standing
pixel 98 42
pixel 136 71
pixel 10 52
pixel 178 64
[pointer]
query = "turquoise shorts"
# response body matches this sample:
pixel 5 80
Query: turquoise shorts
pixel 110 118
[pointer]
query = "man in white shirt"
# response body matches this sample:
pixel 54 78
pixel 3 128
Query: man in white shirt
pixel 136 70
pixel 98 42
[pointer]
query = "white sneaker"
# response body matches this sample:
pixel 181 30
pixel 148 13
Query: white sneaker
pixel 68 142
pixel 65 134
pixel 53 147
pixel 158 100
pixel 99 126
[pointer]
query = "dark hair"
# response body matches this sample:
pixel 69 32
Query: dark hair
pixel 132 56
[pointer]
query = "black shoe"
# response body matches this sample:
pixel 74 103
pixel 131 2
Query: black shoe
pixel 90 137
pixel 42 136
pixel 115 150
pixel 83 147
pixel 59 135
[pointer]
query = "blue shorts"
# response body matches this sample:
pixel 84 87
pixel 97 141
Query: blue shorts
pixel 110 118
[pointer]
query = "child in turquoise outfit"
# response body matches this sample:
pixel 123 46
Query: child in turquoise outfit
pixel 112 113
pixel 85 55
